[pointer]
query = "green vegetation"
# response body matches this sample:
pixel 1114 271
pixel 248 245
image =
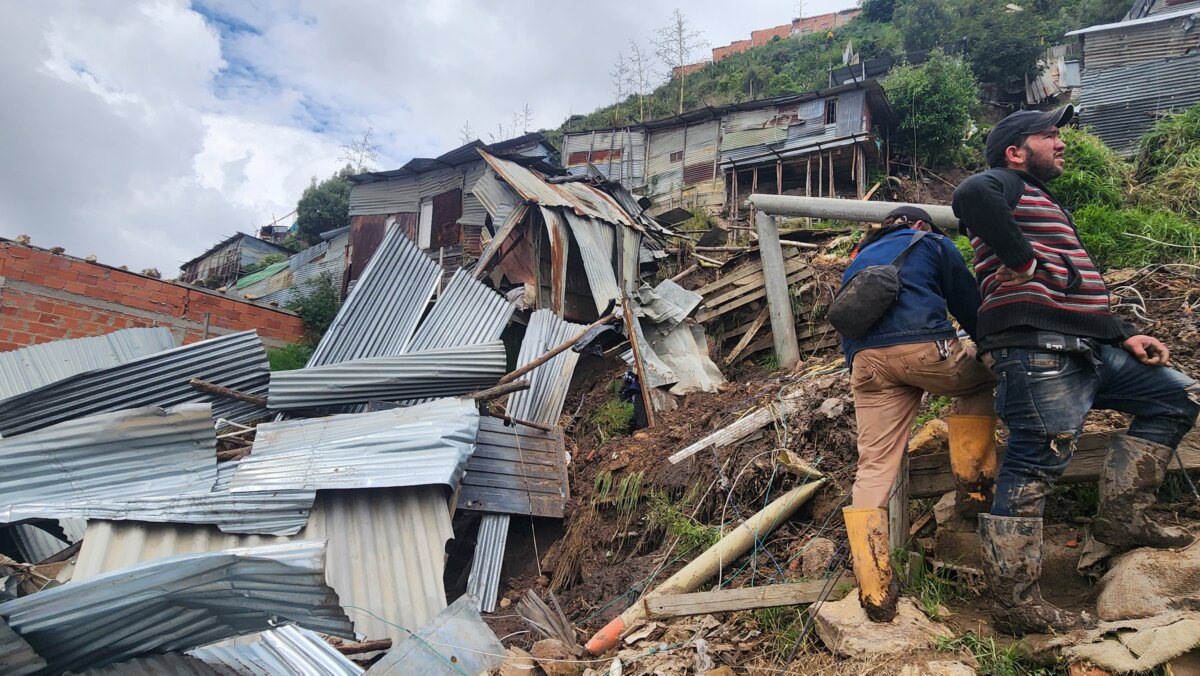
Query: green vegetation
pixel 667 514
pixel 936 406
pixel 324 206
pixel 935 103
pixel 1136 237
pixel 612 419
pixel 1093 173
pixel 932 589
pixel 317 306
pixel 290 357
pixel 993 659
pixel 782 625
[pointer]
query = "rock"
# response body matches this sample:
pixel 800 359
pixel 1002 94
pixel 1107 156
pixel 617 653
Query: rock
pixel 832 408
pixel 815 559
pixel 938 668
pixel 933 437
pixel 519 663
pixel 943 511
pixel 505 602
pixel 720 671
pixel 549 651
pixel 845 629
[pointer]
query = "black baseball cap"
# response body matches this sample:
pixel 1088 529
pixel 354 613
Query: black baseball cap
pixel 1009 130
pixel 912 214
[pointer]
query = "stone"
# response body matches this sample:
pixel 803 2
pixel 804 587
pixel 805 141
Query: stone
pixel 933 437
pixel 720 671
pixel 816 556
pixel 943 511
pixel 846 631
pixel 519 663
pixel 948 668
pixel 549 654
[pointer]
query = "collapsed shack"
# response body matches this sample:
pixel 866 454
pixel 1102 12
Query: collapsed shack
pixel 457 445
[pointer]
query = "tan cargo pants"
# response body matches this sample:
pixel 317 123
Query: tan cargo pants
pixel 888 383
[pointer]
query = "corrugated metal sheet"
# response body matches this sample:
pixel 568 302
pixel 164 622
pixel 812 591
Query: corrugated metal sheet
pixel 1146 18
pixel 178 603
pixel 496 197
pixel 1133 42
pixel 548 383
pixel 17 658
pixel 444 371
pixel 483 584
pixel 752 137
pixel 596 248
pixel 385 197
pixel 286 650
pixel 851 112
pixel 456 642
pixel 32 367
pixel 439 181
pixel 619 154
pixel 136 452
pixel 413 446
pixel 402 531
pixel 584 199
pixel 34 544
pixel 468 312
pixel 174 664
pixel 663 144
pixel 237 361
pixel 516 469
pixel 1121 104
pixel 380 315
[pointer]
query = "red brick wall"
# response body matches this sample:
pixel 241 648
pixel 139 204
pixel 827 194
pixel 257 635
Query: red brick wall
pixel 44 297
pixel 761 37
pixel 736 47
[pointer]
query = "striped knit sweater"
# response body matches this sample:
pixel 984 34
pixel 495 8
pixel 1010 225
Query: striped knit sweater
pixel 1012 219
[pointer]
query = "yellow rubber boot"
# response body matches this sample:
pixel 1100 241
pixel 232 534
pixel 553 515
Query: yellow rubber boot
pixel 973 460
pixel 867 531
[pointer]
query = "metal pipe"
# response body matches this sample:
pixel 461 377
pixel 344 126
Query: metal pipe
pixel 845 210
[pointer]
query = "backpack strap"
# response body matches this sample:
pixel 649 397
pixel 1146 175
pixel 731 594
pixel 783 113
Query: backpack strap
pixel 899 260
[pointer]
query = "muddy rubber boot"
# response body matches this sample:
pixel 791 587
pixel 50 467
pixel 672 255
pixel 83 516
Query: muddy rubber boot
pixel 1133 471
pixel 1012 564
pixel 867 531
pixel 973 460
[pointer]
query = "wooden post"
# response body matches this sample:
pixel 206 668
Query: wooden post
pixel 204 333
pixel 778 177
pixel 638 364
pixel 832 189
pixel 808 184
pixel 820 174
pixel 898 508
pixel 779 300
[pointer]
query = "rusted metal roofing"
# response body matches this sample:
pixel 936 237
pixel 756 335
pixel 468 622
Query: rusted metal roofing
pixel 381 313
pixel 400 530
pixel 620 155
pixel 596 247
pixel 178 603
pixel 583 199
pixel 32 367
pixel 412 446
pixel 441 372
pixel 237 361
pixel 456 642
pixel 515 469
pixel 1141 41
pixel 1121 104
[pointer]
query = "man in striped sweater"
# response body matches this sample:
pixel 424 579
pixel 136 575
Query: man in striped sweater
pixel 1047 332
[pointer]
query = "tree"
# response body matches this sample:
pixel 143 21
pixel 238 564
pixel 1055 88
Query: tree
pixel 1005 45
pixel 879 11
pixel 639 75
pixel 317 306
pixel 934 103
pixel 619 76
pixel 465 134
pixel 324 206
pixel 362 153
pixel 674 44
pixel 925 24
pixel 525 118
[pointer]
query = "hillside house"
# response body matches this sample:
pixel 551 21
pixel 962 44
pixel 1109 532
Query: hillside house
pixel 1137 69
pixel 820 143
pixel 227 260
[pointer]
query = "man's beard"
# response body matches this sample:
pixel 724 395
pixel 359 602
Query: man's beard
pixel 1044 169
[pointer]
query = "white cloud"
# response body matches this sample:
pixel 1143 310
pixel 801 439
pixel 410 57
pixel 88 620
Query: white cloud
pixel 144 132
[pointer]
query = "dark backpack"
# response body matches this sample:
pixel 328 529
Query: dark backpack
pixel 868 295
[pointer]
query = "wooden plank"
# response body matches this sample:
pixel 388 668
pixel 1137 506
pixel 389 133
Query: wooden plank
pixel 930 476
pixel 898 508
pixel 750 283
pixel 728 600
pixel 738 275
pixel 761 292
pixel 747 337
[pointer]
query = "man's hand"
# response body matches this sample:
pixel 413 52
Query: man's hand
pixel 1009 277
pixel 1148 350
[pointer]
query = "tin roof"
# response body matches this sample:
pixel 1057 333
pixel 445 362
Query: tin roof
pixel 32 367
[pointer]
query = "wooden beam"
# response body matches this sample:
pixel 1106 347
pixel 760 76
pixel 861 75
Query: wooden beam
pixel 930 476
pixel 728 600
pixel 640 366
pixel 514 218
pixel 552 352
pixel 217 390
pixel 500 390
pixel 747 337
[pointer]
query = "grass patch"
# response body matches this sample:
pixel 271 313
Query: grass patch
pixel 769 361
pixel 290 357
pixel 964 248
pixel 629 492
pixel 1171 137
pixel 782 626
pixel 932 589
pixel 1093 174
pixel 936 406
pixel 1075 499
pixel 1176 188
pixel 992 658
pixel 667 514
pixel 613 419
pixel 1136 237
pixel 602 487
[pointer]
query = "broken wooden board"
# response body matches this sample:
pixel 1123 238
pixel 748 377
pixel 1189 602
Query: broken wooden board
pixel 746 598
pixel 745 286
pixel 516 469
pixel 929 475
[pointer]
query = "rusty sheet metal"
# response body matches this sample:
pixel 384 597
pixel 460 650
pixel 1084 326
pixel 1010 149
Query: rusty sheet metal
pixel 619 154
pixel 399 530
pixel 584 199
pixel 380 315
pixel 178 603
pixel 596 246
pixel 32 367
pixel 440 372
pixel 496 197
pixel 1121 104
pixel 548 383
pixel 412 446
pixel 516 469
pixel 456 642
pixel 237 361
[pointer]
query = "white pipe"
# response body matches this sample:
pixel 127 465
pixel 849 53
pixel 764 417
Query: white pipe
pixel 832 208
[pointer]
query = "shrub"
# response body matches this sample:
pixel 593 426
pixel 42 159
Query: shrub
pixel 1121 238
pixel 317 306
pixel 1171 137
pixel 1176 188
pixel 1093 174
pixel 290 357
pixel 934 103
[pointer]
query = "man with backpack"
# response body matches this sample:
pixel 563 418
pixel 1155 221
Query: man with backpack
pixel 1057 350
pixel 899 346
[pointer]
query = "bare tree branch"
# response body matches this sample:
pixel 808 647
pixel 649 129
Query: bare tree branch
pixel 674 45
pixel 619 76
pixel 465 134
pixel 362 153
pixel 639 74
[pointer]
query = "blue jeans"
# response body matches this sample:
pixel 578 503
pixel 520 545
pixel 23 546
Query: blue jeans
pixel 1044 397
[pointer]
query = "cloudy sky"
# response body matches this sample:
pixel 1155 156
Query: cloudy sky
pixel 144 131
